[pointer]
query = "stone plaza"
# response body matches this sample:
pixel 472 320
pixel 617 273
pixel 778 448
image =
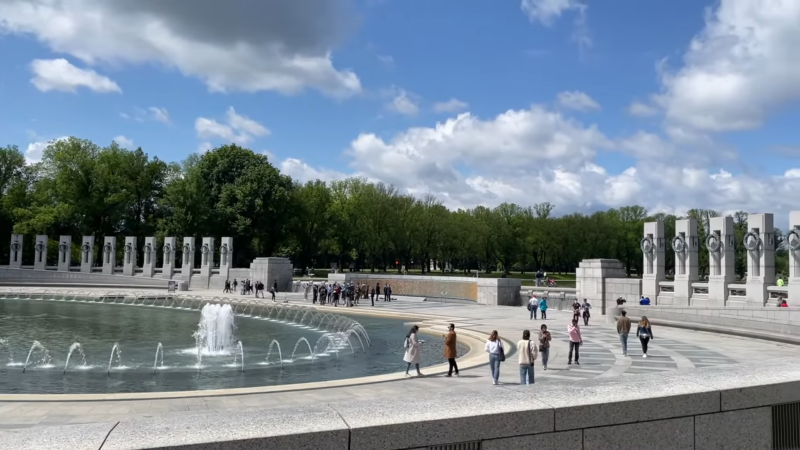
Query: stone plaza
pixel 722 372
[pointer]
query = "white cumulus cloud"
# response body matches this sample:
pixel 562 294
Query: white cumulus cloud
pixel 60 75
pixel 538 154
pixel 578 101
pixel 640 109
pixel 33 153
pixel 450 106
pixel 402 103
pixel 237 129
pixel 239 45
pixel 738 70
pixel 124 142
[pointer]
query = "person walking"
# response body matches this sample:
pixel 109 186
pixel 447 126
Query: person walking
pixel 544 345
pixel 528 353
pixel 575 341
pixel 372 296
pixel 623 329
pixel 644 332
pixel 413 348
pixel 494 347
pixel 576 310
pixel 533 306
pixel 450 350
pixel 585 307
pixel 543 308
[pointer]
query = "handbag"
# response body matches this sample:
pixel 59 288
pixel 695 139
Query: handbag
pixel 500 352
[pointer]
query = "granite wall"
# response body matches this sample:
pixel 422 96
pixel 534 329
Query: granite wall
pixel 485 291
pixel 45 278
pixel 729 407
pixel 465 288
pixel 767 322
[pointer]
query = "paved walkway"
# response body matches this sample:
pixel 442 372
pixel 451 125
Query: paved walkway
pixel 601 356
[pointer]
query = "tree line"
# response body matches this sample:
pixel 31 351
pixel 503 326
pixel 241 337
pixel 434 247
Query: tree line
pixel 79 188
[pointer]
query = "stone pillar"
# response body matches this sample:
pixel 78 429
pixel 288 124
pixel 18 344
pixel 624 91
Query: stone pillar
pixel 590 282
pixel 87 254
pixel 64 253
pixel 207 257
pixel 188 258
pixel 40 252
pixel 149 255
pixel 793 245
pixel 225 257
pixel 720 243
pixel 168 267
pixel 270 270
pixel 686 245
pixel 15 255
pixel 653 248
pixel 129 258
pixel 759 242
pixel 499 291
pixel 109 255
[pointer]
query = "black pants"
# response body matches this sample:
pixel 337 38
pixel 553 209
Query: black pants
pixel 586 319
pixel 644 341
pixel 544 314
pixel 453 365
pixel 574 346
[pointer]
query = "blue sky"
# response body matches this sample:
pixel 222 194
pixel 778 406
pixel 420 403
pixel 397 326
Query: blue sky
pixel 713 128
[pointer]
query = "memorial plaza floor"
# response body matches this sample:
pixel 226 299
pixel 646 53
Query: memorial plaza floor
pixel 601 356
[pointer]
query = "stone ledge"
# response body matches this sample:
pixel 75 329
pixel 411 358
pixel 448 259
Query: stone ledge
pixel 609 414
pixel 744 326
pixel 84 436
pixel 298 428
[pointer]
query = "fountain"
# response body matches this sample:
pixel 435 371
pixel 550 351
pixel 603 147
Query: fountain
pixel 269 351
pixel 159 351
pixel 238 355
pixel 72 348
pixel 115 350
pixel 216 344
pixel 310 352
pixel 215 332
pixel 45 355
pixel 4 344
pixel 318 350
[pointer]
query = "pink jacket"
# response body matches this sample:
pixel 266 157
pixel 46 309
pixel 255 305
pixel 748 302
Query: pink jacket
pixel 574 333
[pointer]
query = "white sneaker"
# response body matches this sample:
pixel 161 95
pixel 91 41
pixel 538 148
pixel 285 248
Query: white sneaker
pixel 644 356
pixel 494 383
pixel 624 354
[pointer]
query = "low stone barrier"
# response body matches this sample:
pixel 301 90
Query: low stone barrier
pixel 747 406
pixel 769 322
pixel 485 291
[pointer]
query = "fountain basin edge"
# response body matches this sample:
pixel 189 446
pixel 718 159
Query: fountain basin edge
pixel 474 357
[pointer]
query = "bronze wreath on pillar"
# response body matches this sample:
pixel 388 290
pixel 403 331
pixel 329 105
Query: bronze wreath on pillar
pixel 793 244
pixel 713 243
pixel 751 241
pixel 679 244
pixel 647 245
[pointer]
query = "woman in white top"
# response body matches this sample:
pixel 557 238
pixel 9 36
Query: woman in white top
pixel 528 352
pixel 413 348
pixel 494 347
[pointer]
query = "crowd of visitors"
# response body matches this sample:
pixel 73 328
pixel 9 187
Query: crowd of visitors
pixel 529 349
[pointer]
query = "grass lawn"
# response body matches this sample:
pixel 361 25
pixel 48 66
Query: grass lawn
pixel 569 278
